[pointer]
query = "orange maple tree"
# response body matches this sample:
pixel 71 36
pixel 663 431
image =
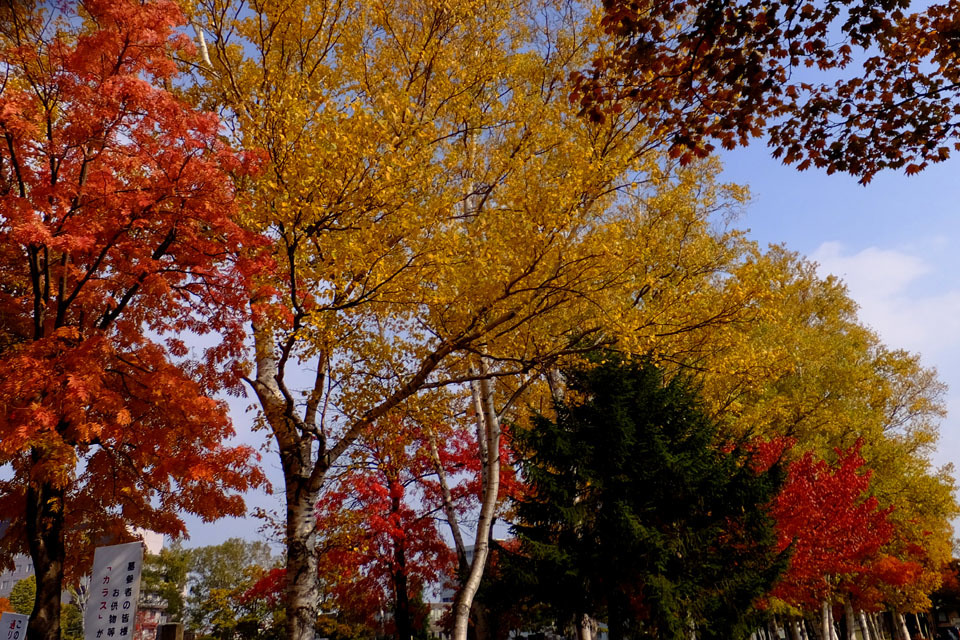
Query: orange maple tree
pixel 115 239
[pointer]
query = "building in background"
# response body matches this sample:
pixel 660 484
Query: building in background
pixel 23 568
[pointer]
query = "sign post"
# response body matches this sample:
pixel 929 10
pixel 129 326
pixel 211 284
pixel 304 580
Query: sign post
pixel 114 591
pixel 13 626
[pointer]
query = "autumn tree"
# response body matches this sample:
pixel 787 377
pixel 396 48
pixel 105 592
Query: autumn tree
pixel 383 511
pixel 847 86
pixel 116 239
pixel 439 217
pixel 834 528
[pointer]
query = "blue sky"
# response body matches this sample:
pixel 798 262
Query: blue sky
pixel 895 242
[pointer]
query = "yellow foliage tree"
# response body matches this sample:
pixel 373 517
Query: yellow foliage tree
pixel 439 215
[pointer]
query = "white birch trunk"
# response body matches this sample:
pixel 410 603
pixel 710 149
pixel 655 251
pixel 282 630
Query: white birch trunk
pixel 302 590
pixel 901 623
pixel 795 630
pixel 864 627
pixel 489 432
pixel 825 621
pixel 449 509
pixel 879 627
pixel 301 597
pixel 850 621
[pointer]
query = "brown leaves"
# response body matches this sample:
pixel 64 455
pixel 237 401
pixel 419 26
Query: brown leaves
pixel 723 71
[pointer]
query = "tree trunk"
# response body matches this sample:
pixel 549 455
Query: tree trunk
pixel 864 627
pixel 901 624
pixel 488 424
pixel 401 604
pixel 850 621
pixel 814 625
pixel 45 537
pixel 302 595
pixel 401 595
pixel 876 620
pixel 450 511
pixel 303 476
pixel 795 630
pixel 829 626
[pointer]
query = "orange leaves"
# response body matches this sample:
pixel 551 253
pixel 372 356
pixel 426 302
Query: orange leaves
pixel 117 231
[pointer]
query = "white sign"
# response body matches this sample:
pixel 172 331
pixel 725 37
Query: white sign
pixel 114 591
pixel 13 626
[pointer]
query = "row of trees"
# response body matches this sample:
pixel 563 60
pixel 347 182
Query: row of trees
pixel 211 589
pixel 400 229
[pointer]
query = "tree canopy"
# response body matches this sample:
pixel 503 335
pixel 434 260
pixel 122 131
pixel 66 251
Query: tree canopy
pixel 390 223
pixel 846 86
pixel 117 239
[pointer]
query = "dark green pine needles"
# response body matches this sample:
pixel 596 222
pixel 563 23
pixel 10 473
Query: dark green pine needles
pixel 637 515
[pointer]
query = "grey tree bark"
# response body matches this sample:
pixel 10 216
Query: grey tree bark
pixel 850 620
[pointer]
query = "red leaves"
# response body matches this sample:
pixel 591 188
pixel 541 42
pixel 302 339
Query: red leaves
pixel 834 528
pixel 268 588
pixel 116 233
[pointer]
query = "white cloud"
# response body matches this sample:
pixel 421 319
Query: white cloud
pixel 888 284
pixel 911 297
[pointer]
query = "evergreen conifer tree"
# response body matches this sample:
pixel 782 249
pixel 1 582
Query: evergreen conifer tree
pixel 637 515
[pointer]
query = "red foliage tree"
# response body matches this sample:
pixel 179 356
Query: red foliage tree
pixel 115 238
pixel 384 509
pixel 835 529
